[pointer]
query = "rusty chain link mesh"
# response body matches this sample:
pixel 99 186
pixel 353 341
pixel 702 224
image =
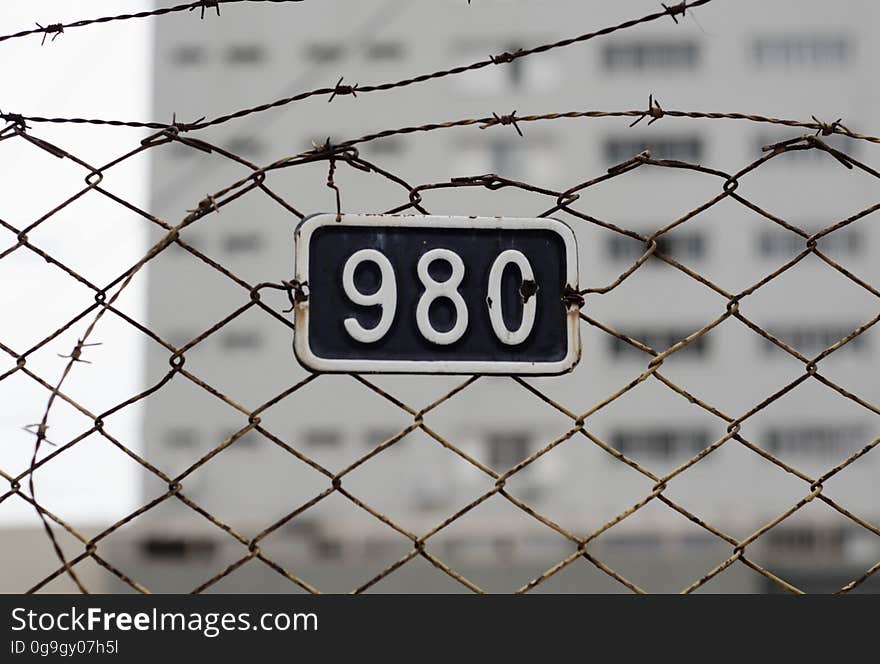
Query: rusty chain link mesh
pixel 345 155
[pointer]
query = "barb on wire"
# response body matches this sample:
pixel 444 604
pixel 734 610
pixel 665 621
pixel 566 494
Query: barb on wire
pixel 509 119
pixel 206 4
pixel 341 90
pixel 53 29
pixel 655 112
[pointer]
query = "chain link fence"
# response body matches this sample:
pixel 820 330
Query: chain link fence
pixel 567 204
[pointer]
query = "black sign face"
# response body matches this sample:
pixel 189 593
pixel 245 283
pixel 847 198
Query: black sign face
pixel 416 294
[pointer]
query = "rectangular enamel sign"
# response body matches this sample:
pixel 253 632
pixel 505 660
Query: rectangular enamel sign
pixel 446 295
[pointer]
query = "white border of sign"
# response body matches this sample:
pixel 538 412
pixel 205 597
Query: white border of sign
pixel 309 360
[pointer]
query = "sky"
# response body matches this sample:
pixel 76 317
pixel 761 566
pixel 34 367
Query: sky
pixel 95 71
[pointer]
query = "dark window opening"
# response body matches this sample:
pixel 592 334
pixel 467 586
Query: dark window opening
pixel 385 51
pixel 508 449
pixel 245 54
pixel 660 339
pixel 187 55
pixel 241 340
pixel 679 245
pixel 324 53
pixel 175 548
pixel 661 442
pixel 323 438
pixel 651 55
pixel 235 243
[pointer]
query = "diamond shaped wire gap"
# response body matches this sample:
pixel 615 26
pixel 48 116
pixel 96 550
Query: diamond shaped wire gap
pixel 110 366
pixel 174 553
pixel 789 298
pixel 27 554
pixel 621 199
pixel 713 489
pixel 185 174
pixel 753 371
pixel 246 237
pixel 177 308
pixel 250 358
pixel 812 428
pixel 253 482
pixel 659 550
pixel 498 543
pixel 777 187
pixel 333 545
pixel 27 283
pixel 311 422
pixel 820 547
pixel 414 482
pixel 24 405
pixel 31 198
pixel 89 485
pixel 122 234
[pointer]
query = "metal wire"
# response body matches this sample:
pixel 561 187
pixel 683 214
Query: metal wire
pixel 345 154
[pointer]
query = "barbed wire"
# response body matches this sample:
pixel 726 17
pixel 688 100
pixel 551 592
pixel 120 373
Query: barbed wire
pixel 561 201
pixel 56 29
pixel 341 89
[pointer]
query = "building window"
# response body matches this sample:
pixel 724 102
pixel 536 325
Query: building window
pixel 813 339
pixel 660 442
pixel 385 51
pixel 176 548
pixel 245 146
pixel 823 441
pixel 508 449
pixel 236 243
pixel 780 243
pixel 679 245
pixel 651 55
pixel 241 340
pixel 245 54
pixel 181 437
pixel 785 541
pixel 801 52
pixel 681 148
pixel 660 339
pixel 187 55
pixel 323 438
pixel 324 53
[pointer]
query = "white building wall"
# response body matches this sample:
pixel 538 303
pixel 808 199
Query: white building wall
pixel 417 482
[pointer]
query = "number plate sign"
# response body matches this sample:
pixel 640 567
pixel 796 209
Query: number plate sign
pixel 424 294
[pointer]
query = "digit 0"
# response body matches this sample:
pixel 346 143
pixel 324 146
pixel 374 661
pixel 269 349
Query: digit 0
pixel 496 315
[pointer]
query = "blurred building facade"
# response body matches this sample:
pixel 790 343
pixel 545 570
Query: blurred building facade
pixel 780 59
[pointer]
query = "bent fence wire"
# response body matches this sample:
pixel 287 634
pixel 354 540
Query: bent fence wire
pixel 345 154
